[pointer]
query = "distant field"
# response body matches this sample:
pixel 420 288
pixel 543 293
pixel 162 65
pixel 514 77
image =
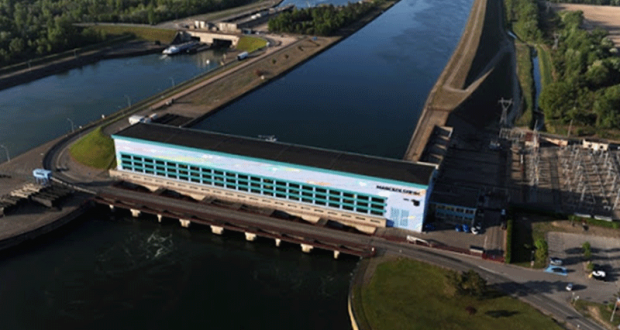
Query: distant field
pixel 605 17
pixel 141 32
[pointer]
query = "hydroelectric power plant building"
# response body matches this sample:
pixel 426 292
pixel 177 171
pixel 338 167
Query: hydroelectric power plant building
pixel 360 191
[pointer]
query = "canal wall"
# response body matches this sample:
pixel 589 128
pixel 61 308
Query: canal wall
pixel 482 47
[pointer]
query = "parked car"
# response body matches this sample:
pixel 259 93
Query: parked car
pixel 458 228
pixel 555 261
pixel 558 270
pixel 599 274
pixel 429 227
pixel 569 287
pixel 465 228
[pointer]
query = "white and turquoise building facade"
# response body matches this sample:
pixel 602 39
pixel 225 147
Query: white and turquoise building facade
pixel 360 191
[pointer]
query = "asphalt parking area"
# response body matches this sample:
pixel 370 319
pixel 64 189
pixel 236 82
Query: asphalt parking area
pixel 605 252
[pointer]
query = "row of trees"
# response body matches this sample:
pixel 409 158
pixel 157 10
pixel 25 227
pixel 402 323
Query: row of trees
pixel 523 18
pixel 587 85
pixel 32 28
pixel 591 2
pixel 322 20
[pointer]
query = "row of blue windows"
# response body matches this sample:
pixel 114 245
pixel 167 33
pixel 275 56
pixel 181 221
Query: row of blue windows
pixel 306 193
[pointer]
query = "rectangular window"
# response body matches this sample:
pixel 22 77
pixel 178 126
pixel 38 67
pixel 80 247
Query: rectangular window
pixel 183 166
pixel 242 187
pixel 218 183
pixel 160 162
pixel 172 176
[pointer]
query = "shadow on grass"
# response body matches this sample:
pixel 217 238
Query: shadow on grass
pixel 501 313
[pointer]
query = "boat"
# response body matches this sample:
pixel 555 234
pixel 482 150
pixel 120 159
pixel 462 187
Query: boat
pixel 177 49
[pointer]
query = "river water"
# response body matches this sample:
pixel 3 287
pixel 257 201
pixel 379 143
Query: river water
pixel 365 95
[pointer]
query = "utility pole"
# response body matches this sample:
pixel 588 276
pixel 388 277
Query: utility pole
pixel 614 311
pixel 570 126
pixel 8 158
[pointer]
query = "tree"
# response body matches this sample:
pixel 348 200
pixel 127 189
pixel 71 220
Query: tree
pixel 468 283
pixel 541 250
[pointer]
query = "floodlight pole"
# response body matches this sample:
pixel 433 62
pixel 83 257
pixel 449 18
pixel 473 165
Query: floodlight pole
pixel 128 100
pixel 72 125
pixel 172 80
pixel 8 158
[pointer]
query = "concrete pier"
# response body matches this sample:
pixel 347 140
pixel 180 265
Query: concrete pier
pixel 278 241
pixel 306 248
pixel 250 237
pixel 135 213
pixel 217 230
pixel 185 223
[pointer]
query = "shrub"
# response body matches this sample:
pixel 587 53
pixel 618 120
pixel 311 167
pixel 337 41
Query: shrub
pixel 587 251
pixel 542 250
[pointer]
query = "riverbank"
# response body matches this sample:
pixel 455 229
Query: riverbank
pixel 482 51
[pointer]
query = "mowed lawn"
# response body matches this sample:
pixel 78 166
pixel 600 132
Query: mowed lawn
pixel 409 295
pixel 250 44
pixel 95 150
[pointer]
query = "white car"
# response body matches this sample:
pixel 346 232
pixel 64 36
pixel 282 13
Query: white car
pixel 569 287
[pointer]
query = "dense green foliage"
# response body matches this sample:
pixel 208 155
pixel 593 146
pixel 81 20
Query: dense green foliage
pixel 587 251
pixel 322 20
pixel 591 2
pixel 523 18
pixel 587 86
pixel 542 250
pixel 467 283
pixel 32 28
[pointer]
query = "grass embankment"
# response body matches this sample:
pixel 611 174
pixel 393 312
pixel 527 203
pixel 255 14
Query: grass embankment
pixel 407 294
pixel 250 44
pixel 95 150
pixel 545 64
pixel 526 81
pixel 141 32
pixel 599 312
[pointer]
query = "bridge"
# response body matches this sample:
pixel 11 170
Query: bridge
pixel 210 37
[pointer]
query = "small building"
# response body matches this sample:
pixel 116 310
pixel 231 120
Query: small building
pixel 454 203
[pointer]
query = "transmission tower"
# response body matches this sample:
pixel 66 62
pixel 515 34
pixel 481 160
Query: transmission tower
pixel 556 40
pixel 503 120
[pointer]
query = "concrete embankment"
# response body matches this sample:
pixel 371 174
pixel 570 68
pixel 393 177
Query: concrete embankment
pixel 481 51
pixel 34 72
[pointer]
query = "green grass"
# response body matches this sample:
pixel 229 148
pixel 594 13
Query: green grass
pixel 250 44
pixel 141 32
pixel 94 150
pixel 546 67
pixel 526 81
pixel 409 295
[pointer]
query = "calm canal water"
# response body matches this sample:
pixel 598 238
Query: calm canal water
pixel 364 95
pixel 34 113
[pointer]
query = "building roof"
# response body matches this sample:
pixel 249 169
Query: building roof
pixel 455 195
pixel 282 152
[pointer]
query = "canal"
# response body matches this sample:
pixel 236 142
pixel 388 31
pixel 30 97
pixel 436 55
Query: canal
pixel 363 95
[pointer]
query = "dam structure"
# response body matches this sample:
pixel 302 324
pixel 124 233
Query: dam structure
pixel 360 191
